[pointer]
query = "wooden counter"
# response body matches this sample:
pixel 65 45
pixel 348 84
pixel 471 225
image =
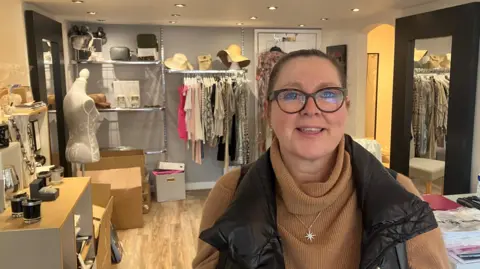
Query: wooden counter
pixel 50 243
pixel 55 213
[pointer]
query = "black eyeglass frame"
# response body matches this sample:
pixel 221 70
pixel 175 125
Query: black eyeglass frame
pixel 274 96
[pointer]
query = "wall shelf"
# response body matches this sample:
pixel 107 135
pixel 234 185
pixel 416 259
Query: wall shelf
pixel 156 152
pixel 106 110
pixel 118 62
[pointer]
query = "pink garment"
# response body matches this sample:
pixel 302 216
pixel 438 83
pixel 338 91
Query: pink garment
pixel 182 126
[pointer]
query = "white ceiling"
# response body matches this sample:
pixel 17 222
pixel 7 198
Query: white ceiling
pixel 225 12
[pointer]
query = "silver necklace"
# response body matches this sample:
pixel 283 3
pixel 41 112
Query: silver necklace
pixel 309 235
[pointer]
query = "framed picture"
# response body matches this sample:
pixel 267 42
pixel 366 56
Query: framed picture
pixel 339 53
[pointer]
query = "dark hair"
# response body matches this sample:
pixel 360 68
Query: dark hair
pixel 302 53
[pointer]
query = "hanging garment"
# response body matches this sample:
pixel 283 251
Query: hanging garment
pixel 181 114
pixel 430 114
pixel 219 113
pixel 227 148
pixel 266 62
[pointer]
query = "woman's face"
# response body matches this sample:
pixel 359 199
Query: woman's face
pixel 309 134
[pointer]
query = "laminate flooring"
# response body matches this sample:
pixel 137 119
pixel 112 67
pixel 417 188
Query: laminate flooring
pixel 168 239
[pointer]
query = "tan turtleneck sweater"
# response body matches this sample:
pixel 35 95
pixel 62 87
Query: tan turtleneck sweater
pixel 338 229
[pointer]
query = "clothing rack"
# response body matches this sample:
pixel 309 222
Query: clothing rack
pixel 427 71
pixel 207 72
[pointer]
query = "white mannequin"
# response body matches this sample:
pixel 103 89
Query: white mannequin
pixel 81 117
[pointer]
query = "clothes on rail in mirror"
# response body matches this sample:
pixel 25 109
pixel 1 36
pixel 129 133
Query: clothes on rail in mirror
pixel 430 113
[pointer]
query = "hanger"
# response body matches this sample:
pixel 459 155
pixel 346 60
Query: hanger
pixel 275 48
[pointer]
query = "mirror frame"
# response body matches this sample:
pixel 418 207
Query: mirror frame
pixel 40 27
pixel 462 23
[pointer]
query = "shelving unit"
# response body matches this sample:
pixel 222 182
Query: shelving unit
pixel 163 70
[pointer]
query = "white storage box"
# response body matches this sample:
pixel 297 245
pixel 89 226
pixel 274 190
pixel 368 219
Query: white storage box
pixel 170 182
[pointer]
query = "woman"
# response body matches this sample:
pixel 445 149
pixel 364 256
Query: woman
pixel 316 199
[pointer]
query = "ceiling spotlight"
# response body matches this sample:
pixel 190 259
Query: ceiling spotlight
pixel 239 23
pixel 301 25
pixel 77 1
pixel 180 5
pixel 92 12
pixel 355 9
pixel 253 18
pixel 324 19
pixel 272 8
pixel 172 22
pixel 175 15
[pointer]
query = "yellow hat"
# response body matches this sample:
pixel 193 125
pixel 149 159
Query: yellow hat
pixel 178 62
pixel 418 54
pixel 235 53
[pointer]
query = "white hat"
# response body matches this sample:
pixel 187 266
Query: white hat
pixel 178 62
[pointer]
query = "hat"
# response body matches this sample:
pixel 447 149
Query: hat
pixel 419 54
pixel 178 62
pixel 235 53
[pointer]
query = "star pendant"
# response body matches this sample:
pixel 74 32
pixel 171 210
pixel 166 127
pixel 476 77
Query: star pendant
pixel 310 236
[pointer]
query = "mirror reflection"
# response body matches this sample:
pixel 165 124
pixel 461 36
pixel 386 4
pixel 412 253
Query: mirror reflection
pixel 432 59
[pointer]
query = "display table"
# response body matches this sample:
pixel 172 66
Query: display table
pixel 50 243
pixel 453 263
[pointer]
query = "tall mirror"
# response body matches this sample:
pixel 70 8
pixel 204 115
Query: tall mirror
pixel 371 95
pixel 431 91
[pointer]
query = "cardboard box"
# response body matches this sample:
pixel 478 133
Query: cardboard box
pixel 126 187
pixel 115 159
pixel 102 213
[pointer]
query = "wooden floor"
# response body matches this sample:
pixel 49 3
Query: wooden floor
pixel 169 237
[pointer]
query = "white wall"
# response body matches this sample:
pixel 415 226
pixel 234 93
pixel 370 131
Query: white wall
pixel 14 44
pixel 356 74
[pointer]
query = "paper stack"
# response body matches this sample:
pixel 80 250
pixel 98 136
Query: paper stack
pixel 461 232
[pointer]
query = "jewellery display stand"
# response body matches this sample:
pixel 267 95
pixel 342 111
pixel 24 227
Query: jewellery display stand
pixel 41 116
pixel 51 242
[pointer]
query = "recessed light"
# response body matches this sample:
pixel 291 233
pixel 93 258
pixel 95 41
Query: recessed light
pixel 77 1
pixel 175 15
pixel 172 22
pixel 272 8
pixel 355 9
pixel 180 5
pixel 324 19
pixel 253 18
pixel 301 25
pixel 92 12
pixel 239 23
pixel 101 20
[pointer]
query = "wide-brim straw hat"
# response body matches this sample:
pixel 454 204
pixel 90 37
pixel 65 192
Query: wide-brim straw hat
pixel 235 53
pixel 178 62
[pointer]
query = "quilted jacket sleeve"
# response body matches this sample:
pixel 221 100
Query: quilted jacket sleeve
pixel 217 202
pixel 426 250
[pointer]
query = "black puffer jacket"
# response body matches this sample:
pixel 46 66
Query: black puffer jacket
pixel 247 236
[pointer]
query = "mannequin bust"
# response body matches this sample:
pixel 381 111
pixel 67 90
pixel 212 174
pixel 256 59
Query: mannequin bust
pixel 81 117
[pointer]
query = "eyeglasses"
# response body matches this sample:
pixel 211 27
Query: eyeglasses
pixel 292 101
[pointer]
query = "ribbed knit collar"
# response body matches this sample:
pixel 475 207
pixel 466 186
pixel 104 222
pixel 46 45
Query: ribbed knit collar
pixel 311 198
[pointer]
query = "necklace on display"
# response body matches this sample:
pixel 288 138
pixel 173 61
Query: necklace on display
pixel 30 164
pixel 309 235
